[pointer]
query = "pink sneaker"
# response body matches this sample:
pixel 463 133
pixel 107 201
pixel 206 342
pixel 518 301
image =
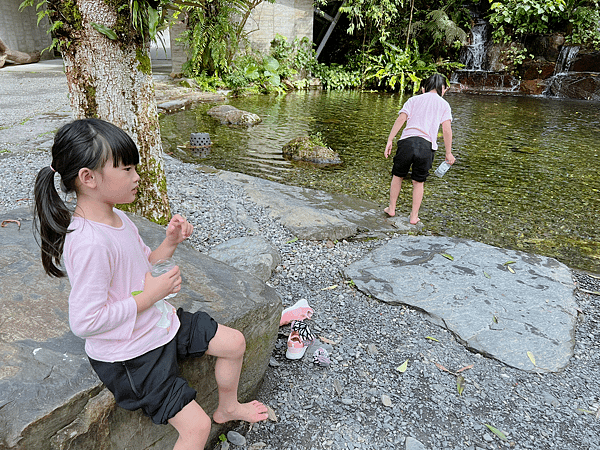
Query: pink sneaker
pixel 299 340
pixel 295 346
pixel 299 311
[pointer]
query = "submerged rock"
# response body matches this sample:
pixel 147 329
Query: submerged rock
pixel 303 148
pixel 228 114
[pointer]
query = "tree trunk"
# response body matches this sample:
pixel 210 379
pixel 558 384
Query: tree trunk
pixel 112 80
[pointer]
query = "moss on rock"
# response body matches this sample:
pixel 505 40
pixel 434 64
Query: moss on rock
pixel 304 148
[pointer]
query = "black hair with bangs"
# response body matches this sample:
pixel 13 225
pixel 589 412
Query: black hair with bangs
pixel 84 143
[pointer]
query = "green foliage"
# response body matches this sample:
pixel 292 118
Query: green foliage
pixel 318 139
pixel 396 69
pixel 215 34
pixel 260 72
pixel 578 19
pixel 524 17
pixel 444 30
pixel 584 20
pixel 336 76
pixel 294 58
pixel 208 83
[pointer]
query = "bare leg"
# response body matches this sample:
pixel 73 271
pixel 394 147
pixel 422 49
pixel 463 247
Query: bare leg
pixel 395 187
pixel 229 345
pixel 418 188
pixel 193 426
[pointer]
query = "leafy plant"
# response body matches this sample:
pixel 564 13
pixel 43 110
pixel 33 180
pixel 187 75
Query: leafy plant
pixel 397 69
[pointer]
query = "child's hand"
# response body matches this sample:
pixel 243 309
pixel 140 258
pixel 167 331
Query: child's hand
pixel 157 288
pixel 179 229
pixel 388 149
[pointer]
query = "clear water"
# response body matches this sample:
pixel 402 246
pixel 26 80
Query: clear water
pixel 527 175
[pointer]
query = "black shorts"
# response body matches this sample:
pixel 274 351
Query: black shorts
pixel 414 151
pixel 151 381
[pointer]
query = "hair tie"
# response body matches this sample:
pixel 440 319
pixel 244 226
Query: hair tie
pixel 52 169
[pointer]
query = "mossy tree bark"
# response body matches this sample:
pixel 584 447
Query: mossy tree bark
pixel 110 77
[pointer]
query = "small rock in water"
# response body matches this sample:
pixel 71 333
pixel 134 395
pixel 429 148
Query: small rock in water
pixel 236 438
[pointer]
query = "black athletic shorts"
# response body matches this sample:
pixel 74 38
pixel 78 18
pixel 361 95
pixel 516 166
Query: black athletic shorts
pixel 416 152
pixel 151 381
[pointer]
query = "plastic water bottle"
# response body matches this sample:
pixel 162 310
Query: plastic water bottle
pixel 160 267
pixel 442 169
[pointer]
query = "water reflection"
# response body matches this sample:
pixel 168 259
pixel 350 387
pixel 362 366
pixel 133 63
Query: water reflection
pixel 526 177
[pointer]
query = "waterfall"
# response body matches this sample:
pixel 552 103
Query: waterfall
pixel 565 59
pixel 563 64
pixel 473 56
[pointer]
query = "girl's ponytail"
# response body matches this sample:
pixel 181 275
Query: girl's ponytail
pixel 52 218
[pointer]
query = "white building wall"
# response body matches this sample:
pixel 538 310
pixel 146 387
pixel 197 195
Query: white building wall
pixel 19 29
pixel 290 18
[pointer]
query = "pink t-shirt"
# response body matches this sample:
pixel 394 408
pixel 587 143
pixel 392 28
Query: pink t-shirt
pixel 425 112
pixel 105 266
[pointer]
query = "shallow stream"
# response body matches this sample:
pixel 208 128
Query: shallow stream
pixel 527 175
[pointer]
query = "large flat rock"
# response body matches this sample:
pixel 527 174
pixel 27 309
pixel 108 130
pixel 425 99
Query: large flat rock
pixel 473 293
pixel 49 396
pixel 316 215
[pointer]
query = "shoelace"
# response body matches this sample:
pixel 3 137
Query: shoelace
pixel 303 331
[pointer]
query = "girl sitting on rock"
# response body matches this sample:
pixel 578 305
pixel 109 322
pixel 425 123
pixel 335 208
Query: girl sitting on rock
pixel 111 304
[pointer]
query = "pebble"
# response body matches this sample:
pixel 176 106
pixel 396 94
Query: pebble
pixel 368 341
pixel 236 438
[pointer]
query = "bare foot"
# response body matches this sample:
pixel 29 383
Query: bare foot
pixel 251 412
pixel 387 211
pixel 413 222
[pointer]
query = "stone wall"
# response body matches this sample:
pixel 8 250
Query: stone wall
pixel 289 18
pixel 19 29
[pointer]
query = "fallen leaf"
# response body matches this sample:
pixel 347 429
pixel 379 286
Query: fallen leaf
pixel 402 368
pixel 439 366
pixel 465 368
pixel 487 275
pixel 495 319
pixel 327 341
pixel 510 269
pixel 6 222
pixel 329 287
pixel 509 262
pixel 531 357
pixel 460 384
pixel 294 239
pixel 446 255
pixel 497 432
pixel 589 292
pixel 272 415
pixel 431 338
pixel 338 386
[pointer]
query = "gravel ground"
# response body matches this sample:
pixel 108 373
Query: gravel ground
pixel 363 400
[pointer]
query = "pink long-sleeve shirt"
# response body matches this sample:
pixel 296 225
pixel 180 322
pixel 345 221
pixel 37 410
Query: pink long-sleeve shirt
pixel 106 265
pixel 425 114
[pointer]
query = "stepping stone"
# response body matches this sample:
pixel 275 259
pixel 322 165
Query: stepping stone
pixel 500 303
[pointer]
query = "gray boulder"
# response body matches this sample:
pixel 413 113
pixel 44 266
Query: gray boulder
pixel 49 396
pixel 228 114
pixel 252 254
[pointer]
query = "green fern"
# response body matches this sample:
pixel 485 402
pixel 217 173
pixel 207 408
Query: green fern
pixel 444 29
